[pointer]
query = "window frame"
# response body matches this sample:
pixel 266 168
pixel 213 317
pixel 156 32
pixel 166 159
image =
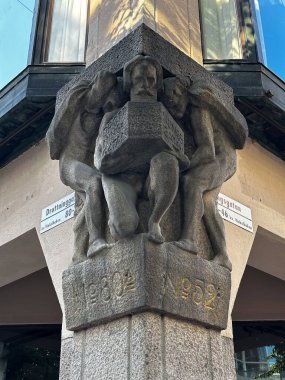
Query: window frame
pixel 249 50
pixel 39 50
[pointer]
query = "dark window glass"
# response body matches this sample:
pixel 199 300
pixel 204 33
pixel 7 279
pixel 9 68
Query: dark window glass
pixel 30 352
pixel 258 348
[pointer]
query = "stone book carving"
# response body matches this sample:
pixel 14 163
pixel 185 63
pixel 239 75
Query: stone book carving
pixel 149 154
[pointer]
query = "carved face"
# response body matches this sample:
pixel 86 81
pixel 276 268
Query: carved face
pixel 144 81
pixel 112 101
pixel 175 97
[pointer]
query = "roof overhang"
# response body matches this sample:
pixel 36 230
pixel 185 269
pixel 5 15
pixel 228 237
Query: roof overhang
pixel 27 106
pixel 260 96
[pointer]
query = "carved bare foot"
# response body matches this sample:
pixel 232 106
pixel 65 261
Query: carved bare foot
pixel 223 261
pixel 155 234
pixel 186 245
pixel 97 246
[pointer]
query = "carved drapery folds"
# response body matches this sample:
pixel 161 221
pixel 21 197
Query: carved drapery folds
pixel 141 148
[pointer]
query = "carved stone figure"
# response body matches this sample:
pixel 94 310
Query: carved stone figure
pixel 118 139
pixel 71 139
pixel 217 133
pixel 141 138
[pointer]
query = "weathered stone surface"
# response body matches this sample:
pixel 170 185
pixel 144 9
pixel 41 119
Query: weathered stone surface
pixel 135 135
pixel 145 308
pixel 141 137
pixel 144 40
pixel 187 354
pixel 72 348
pixel 148 346
pixel 106 352
pixel 222 356
pixel 137 275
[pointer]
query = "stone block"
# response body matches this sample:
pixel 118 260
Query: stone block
pixel 187 354
pixel 72 348
pixel 172 16
pixel 146 347
pixel 144 40
pixel 134 136
pixel 106 351
pixel 222 353
pixel 137 275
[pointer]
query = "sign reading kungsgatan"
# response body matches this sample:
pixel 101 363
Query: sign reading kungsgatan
pixel 57 213
pixel 235 212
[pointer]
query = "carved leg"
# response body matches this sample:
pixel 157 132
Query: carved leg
pixel 121 198
pixel 87 180
pixel 163 186
pixel 94 217
pixel 193 209
pixel 81 237
pixel 215 228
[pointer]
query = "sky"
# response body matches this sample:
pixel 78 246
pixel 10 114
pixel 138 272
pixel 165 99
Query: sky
pixel 272 14
pixel 15 30
pixel 16 22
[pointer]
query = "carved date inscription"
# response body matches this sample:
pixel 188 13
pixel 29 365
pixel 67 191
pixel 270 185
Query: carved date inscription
pixel 194 290
pixel 111 287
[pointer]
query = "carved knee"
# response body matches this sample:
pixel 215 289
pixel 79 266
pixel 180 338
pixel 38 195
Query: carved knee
pixel 94 185
pixel 164 161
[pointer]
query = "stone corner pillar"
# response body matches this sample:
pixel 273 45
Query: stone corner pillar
pixel 141 310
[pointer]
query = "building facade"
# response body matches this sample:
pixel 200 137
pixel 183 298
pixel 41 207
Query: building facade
pixel 230 38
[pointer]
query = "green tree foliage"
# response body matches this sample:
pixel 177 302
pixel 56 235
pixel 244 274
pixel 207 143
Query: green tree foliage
pixel 278 355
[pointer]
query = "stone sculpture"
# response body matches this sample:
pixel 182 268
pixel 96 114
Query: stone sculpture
pixel 155 139
pixel 71 139
pixel 135 127
pixel 142 138
pixel 217 134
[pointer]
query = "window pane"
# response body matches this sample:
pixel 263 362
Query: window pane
pixel 68 31
pixel 16 19
pixel 220 28
pixel 30 352
pixel 271 22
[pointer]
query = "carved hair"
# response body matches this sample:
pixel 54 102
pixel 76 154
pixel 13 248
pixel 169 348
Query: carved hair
pixel 103 83
pixel 183 82
pixel 138 59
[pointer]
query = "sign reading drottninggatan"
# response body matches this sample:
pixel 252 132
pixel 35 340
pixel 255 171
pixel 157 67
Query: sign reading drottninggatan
pixel 57 213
